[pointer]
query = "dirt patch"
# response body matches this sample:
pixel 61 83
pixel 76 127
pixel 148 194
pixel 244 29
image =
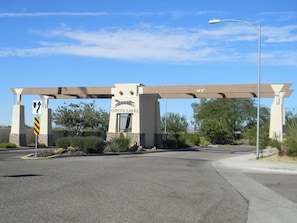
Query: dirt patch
pixel 277 158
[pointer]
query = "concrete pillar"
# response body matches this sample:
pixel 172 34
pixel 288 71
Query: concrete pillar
pixel 150 119
pixel 18 131
pixel 277 116
pixel 143 113
pixel 46 133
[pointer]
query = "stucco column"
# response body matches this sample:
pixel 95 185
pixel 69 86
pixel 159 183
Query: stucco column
pixel 277 116
pixel 46 132
pixel 125 100
pixel 18 132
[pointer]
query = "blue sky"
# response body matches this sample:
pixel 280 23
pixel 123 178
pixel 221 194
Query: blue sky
pixel 158 42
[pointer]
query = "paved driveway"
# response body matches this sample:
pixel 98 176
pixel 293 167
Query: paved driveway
pixel 161 187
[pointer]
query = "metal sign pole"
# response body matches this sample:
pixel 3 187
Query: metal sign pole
pixel 36 142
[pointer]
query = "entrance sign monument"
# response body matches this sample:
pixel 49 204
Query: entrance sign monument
pixel 135 109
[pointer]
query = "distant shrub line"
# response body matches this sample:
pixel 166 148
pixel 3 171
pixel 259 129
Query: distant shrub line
pixel 7 145
pixel 93 144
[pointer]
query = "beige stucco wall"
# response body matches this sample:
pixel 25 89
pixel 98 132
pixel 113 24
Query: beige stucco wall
pixel 125 100
pixel 128 98
pixel 149 118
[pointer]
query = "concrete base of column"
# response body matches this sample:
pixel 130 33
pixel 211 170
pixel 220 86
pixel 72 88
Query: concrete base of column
pixel 47 140
pixel 139 138
pixel 159 140
pixel 18 139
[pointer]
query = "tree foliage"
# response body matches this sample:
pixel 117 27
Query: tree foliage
pixel 174 123
pixel 215 131
pixel 290 143
pixel 223 118
pixel 82 115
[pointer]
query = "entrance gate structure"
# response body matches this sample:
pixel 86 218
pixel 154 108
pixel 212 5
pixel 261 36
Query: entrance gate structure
pixel 135 109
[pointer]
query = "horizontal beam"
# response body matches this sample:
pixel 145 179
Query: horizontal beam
pixel 68 92
pixel 182 91
pixel 216 91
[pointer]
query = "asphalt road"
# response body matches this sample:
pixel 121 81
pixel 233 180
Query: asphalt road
pixel 180 186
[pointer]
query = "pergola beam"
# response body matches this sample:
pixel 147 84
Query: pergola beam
pixel 183 91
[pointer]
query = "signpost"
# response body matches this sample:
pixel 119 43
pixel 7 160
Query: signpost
pixel 36 110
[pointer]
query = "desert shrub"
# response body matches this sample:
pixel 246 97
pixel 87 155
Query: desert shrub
pixel 291 146
pixel 63 142
pixel 276 144
pixel 290 143
pixel 203 141
pixel 89 144
pixel 217 132
pixel 251 135
pixel 77 142
pixel 188 140
pixel 71 148
pixel 172 143
pixel 60 150
pixel 118 144
pixel 46 153
pixel 93 144
pixel 7 145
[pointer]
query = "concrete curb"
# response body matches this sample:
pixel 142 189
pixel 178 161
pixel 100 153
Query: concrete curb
pixel 31 156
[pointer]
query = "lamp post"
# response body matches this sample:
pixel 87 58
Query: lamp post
pixel 258 28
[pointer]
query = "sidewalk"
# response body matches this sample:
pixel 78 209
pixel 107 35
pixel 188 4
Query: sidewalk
pixel 264 204
pixel 249 163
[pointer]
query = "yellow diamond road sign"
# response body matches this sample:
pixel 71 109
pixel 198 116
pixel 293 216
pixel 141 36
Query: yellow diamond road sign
pixel 36 126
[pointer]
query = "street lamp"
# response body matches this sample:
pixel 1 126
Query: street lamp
pixel 258 28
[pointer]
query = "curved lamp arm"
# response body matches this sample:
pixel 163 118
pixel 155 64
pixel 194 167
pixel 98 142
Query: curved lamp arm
pixel 215 21
pixel 258 28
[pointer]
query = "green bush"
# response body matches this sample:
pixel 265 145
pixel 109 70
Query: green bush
pixel 251 135
pixel 77 142
pixel 203 141
pixel 217 132
pixel 290 143
pixel 291 146
pixel 175 141
pixel 118 144
pixel 7 145
pixel 188 140
pixel 276 144
pixel 63 142
pixel 46 153
pixel 89 144
pixel 172 143
pixel 93 144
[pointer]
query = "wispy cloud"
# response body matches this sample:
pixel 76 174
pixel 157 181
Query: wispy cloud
pixel 175 13
pixel 281 34
pixel 165 44
pixel 136 43
pixel 97 14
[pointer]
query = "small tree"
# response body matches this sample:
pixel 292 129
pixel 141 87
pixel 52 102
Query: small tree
pixel 251 135
pixel 225 117
pixel 79 116
pixel 215 131
pixel 174 123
